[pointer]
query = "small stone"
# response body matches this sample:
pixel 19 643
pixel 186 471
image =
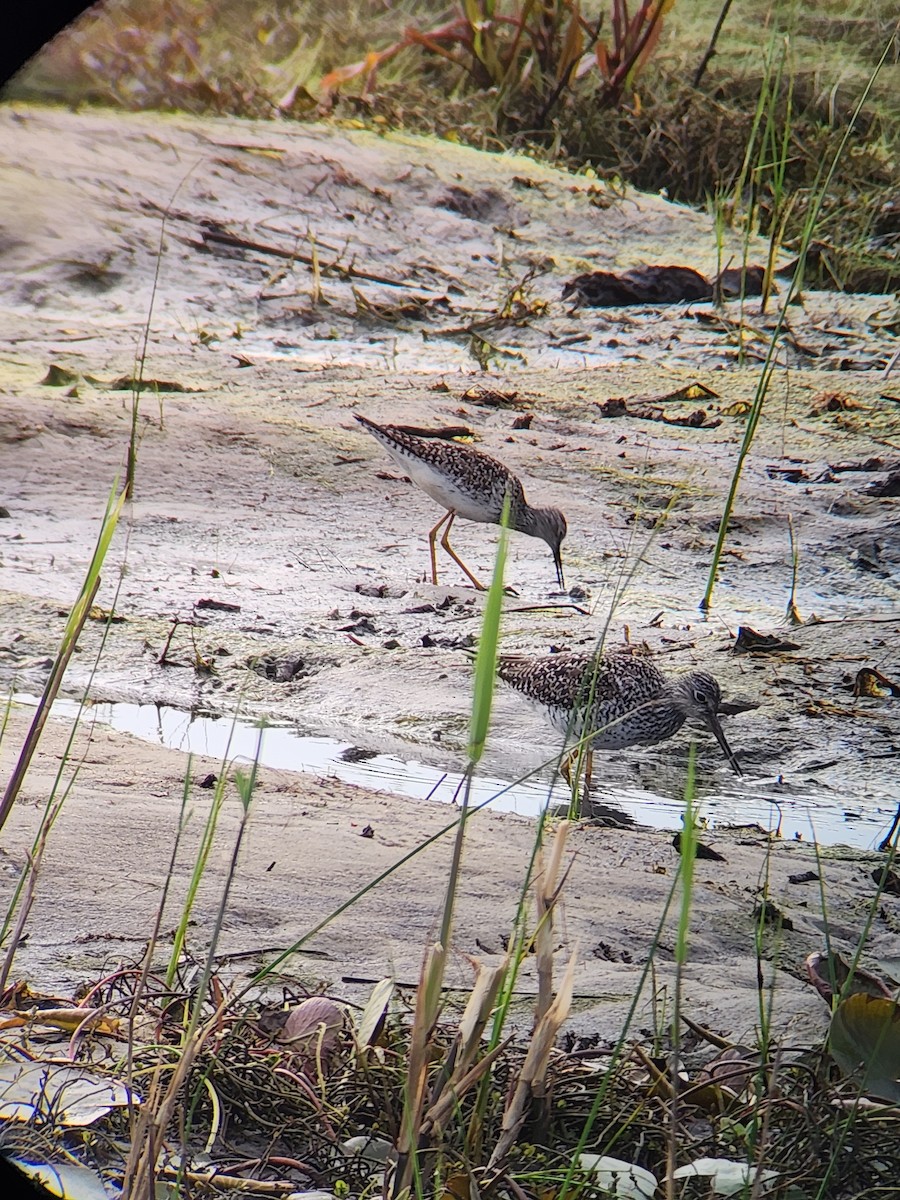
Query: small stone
pixel 803 877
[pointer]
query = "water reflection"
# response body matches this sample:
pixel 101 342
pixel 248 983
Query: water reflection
pixel 284 748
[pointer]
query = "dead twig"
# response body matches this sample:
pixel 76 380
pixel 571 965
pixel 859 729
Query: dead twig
pixel 711 48
pixel 309 260
pixel 446 431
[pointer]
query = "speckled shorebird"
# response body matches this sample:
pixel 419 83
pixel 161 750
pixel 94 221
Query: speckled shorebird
pixel 620 701
pixel 468 484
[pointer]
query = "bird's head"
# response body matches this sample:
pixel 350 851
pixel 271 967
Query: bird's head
pixel 550 525
pixel 699 696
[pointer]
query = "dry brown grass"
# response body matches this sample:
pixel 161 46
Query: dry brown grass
pixel 282 1115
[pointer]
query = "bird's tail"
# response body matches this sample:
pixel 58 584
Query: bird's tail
pixel 370 425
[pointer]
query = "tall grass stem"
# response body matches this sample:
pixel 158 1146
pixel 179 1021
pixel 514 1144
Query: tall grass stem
pixel 770 363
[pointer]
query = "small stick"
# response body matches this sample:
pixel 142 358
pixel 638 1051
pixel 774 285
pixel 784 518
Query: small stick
pixel 585 612
pixel 793 612
pixel 163 660
pixel 446 431
pixel 711 48
pixel 230 239
pixel 524 608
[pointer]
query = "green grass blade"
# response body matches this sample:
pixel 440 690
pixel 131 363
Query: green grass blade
pixel 486 659
pixel 245 786
pixel 820 191
pixel 74 624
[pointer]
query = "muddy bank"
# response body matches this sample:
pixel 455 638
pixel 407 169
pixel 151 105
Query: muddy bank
pixel 258 492
pixel 311 844
pixel 311 562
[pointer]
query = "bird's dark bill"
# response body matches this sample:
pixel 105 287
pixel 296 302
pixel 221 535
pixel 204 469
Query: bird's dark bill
pixel 557 558
pixel 715 725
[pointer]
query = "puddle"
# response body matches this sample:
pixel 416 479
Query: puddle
pixel 284 748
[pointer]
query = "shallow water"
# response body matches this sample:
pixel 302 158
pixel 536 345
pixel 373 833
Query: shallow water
pixel 285 748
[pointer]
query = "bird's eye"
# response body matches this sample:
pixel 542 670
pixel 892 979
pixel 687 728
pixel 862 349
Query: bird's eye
pixel 700 696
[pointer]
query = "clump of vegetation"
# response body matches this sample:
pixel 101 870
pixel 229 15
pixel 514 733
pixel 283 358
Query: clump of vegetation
pixel 312 1097
pixel 529 56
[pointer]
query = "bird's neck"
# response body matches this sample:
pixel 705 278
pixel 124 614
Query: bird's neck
pixel 666 718
pixel 526 519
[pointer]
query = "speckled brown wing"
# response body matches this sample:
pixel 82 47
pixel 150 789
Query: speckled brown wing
pixel 558 680
pixel 631 680
pixel 471 470
pixel 567 681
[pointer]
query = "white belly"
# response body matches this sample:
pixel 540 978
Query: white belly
pixel 435 484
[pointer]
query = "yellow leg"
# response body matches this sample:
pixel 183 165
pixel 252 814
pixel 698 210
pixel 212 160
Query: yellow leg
pixel 448 516
pixel 585 805
pixel 568 763
pixel 445 542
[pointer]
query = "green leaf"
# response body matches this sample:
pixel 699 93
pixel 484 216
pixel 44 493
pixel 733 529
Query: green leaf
pixel 486 659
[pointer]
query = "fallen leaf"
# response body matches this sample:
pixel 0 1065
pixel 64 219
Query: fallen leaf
pixel 620 1178
pixel 96 613
pixel 313 1026
pixel 691 391
pixel 67 1180
pixel 726 1177
pixel 370 1023
pixel 828 402
pixel 864 1040
pixel 58 376
pixel 870 682
pixel 73 1096
pixel 68 1019
pixel 888 881
pixel 772 915
pixel 748 641
pixel 739 408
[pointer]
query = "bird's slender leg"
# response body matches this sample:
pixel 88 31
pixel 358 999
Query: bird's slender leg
pixel 585 805
pixel 570 761
pixel 445 542
pixel 448 516
pixel 567 765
